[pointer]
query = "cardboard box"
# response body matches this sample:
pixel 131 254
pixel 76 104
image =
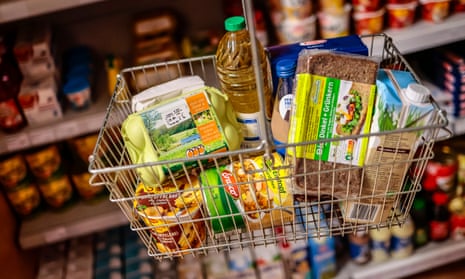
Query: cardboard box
pixel 39 101
pixel 389 156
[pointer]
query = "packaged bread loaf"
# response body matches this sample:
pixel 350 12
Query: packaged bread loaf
pixel 335 93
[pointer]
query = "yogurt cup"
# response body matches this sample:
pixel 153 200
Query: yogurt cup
pixel 367 23
pixel 334 24
pixel 401 15
pixel 435 10
pixel 367 5
pixel 293 31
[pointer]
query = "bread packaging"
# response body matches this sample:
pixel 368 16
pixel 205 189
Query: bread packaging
pixel 332 101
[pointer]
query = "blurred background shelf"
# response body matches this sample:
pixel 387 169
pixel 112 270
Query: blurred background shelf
pixel 424 35
pixel 79 219
pixel 73 123
pixel 11 10
pixel 425 258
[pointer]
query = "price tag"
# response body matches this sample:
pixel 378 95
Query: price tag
pixel 55 235
pixel 66 130
pixel 14 143
pixel 41 137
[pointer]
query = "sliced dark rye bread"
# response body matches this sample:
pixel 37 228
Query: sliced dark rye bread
pixel 317 178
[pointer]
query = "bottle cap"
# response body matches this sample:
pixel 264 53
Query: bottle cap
pixel 234 23
pixel 285 68
pixel 418 93
pixel 440 198
pixel 419 203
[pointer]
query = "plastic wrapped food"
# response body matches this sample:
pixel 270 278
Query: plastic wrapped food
pixel 329 169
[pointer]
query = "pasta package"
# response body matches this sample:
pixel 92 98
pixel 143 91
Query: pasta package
pixel 174 213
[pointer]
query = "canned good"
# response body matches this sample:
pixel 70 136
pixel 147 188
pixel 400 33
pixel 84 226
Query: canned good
pixel 174 214
pixel 258 188
pixel 44 161
pixel 25 198
pixel 441 171
pixel 57 190
pixel 13 170
pixel 219 188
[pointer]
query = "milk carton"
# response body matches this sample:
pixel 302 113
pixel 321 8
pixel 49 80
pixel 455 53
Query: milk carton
pixel 401 103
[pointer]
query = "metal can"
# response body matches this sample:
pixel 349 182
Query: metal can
pixel 222 208
pixel 441 171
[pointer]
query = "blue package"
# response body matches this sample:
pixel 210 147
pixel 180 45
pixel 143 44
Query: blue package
pixel 321 246
pixel 350 44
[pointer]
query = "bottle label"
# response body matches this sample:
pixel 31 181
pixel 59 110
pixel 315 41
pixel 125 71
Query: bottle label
pixel 10 115
pixel 250 128
pixel 439 230
pixel 401 246
pixel 359 251
pixel 380 249
pixel 285 105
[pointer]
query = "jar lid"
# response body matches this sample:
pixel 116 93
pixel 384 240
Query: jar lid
pixel 285 67
pixel 418 93
pixel 75 84
pixel 234 23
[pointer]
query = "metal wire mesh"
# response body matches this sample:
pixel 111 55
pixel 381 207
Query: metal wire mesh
pixel 174 219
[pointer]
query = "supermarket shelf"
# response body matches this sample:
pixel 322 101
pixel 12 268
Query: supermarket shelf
pixel 80 219
pixel 73 123
pixel 431 256
pixel 12 10
pixel 424 35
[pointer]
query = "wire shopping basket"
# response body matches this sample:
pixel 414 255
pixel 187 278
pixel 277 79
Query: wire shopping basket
pixel 248 197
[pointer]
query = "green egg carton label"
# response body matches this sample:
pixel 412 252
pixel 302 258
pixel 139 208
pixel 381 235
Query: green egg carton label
pixel 197 123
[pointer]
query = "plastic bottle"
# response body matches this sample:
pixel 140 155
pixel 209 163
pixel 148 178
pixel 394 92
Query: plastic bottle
pixel 420 218
pixel 380 244
pixel 237 78
pixel 401 239
pixel 11 115
pixel 285 70
pixel 439 223
pixel 359 247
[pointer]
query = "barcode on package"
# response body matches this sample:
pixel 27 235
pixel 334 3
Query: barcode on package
pixel 365 212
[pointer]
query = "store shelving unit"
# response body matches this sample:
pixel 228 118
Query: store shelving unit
pixel 425 258
pixel 424 35
pixel 73 123
pixel 84 218
pixel 81 218
pixel 11 10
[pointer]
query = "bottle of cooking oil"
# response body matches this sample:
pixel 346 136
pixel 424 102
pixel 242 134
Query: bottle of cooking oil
pixel 237 78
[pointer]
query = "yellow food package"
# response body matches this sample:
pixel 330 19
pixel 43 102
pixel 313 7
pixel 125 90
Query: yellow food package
pixel 262 191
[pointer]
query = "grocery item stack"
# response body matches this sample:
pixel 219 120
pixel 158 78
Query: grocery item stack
pixel 38 93
pixel 155 41
pixel 449 75
pixel 334 18
pixel 294 21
